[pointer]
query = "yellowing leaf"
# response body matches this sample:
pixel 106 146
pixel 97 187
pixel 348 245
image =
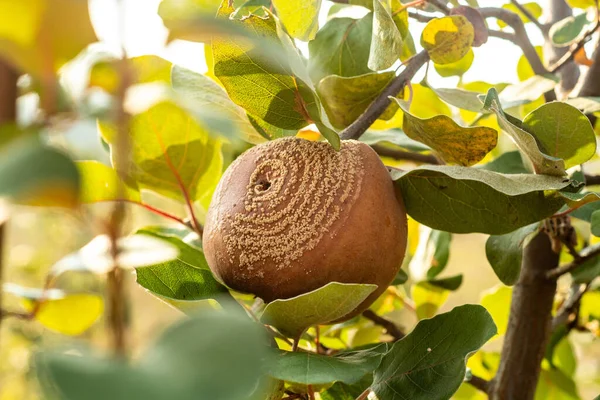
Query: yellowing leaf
pixel 454 143
pixel 39 36
pixel 100 182
pixel 171 153
pixel 300 17
pixel 386 39
pixel 534 9
pixel 497 302
pixel 456 68
pixel 426 103
pixel 345 99
pixel 447 39
pixel 581 3
pixel 428 299
pixel 70 315
pixel 146 69
pixel 524 70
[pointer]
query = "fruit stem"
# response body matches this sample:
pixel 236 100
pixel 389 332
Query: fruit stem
pixel 296 343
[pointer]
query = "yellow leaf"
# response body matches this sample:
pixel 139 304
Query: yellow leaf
pixel 71 315
pixel 448 39
pixel 23 24
pixel 456 68
pixel 534 9
pixel 309 135
pixel 428 299
pixel 581 3
pixel 524 70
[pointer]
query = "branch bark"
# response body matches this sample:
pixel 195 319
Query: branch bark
pixel 529 324
pixel 479 383
pixel 381 102
pixel 584 255
pixel 529 16
pixel 388 325
pixel 570 308
pixel 8 92
pixel 521 39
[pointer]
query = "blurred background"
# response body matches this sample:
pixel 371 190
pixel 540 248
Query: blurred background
pixel 37 237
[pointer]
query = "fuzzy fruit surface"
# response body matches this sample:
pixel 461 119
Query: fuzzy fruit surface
pixel 292 215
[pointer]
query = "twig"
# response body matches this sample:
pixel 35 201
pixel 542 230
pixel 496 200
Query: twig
pixel 584 255
pixel 479 383
pixel 567 314
pixel 503 35
pixel 441 5
pixel 575 47
pixel 521 39
pixel 529 16
pixel 406 155
pixel 388 325
pixel 382 101
pixel 592 180
pixel 365 394
pixel 311 393
pixel 296 343
pixel 160 212
pixel 421 17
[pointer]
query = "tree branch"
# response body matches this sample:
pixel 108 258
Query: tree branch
pixel 421 17
pixel 584 255
pixel 570 54
pixel 592 180
pixel 8 92
pixel 382 101
pixel 527 14
pixel 503 35
pixel 388 325
pixel 520 39
pixel 406 155
pixel 479 383
pixel 529 324
pixel 441 5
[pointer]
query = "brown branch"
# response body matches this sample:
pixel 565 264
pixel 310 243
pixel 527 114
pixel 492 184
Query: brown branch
pixel 420 17
pixel 527 14
pixel 479 383
pixel 567 314
pixel 388 325
pixel 521 39
pixel 584 255
pixel 575 47
pixel 592 180
pixel 503 35
pixel 406 155
pixel 382 101
pixel 8 92
pixel 529 324
pixel 441 5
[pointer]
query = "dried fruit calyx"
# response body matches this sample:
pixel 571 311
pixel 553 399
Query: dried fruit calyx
pixel 292 215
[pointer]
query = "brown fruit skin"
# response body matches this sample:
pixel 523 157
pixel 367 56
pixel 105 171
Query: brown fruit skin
pixel 365 245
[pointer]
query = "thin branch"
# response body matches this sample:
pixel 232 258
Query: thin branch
pixel 159 212
pixel 584 255
pixel 503 35
pixel 406 155
pixel 365 394
pixel 421 17
pixel 388 325
pixel 527 14
pixel 521 39
pixel 441 5
pixel 567 314
pixel 479 383
pixel 382 101
pixel 592 180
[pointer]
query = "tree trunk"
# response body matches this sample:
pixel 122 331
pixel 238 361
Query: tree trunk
pixel 529 324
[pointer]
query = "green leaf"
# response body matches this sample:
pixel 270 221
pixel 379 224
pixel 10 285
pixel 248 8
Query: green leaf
pixel 553 383
pixel 587 272
pixel 326 304
pixel 451 283
pixel 447 39
pixel 134 251
pixel 528 90
pixel 569 30
pixel 497 302
pixel 186 277
pixel 341 47
pixel 203 96
pixel 464 99
pixel 534 9
pixel 100 182
pixel 345 99
pixel 144 69
pixel 463 200
pixel 67 313
pixel 272 94
pixel 35 174
pixel 386 39
pixel 455 144
pixel 542 163
pixel 315 369
pixel 395 137
pixel 171 153
pixel 343 391
pixel 505 252
pixel 431 359
pixel 401 277
pixel 300 17
pixel 428 298
pixel 595 223
pixel 586 105
pixel 457 68
pixel 508 163
pixel 40 36
pixel 563 131
pixel 196 359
